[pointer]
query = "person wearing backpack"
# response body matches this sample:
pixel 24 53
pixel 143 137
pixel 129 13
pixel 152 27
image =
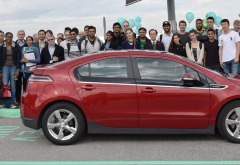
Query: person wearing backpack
pixel 73 47
pixel 195 48
pixel 166 37
pixel 210 23
pixel 91 44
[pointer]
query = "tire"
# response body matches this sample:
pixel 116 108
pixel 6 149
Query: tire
pixel 229 122
pixel 63 123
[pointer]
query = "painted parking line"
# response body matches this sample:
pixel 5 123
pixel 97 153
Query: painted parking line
pixel 10 113
pixel 126 163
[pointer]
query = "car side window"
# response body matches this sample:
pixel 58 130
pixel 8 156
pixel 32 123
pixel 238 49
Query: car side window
pixel 109 68
pixel 160 69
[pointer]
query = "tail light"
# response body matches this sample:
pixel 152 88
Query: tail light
pixel 40 78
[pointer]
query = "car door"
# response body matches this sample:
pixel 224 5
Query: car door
pixel 163 100
pixel 107 89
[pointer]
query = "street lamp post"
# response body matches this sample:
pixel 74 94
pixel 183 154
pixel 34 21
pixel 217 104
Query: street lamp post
pixel 171 15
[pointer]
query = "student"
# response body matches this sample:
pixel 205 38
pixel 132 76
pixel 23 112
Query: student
pixel 24 60
pixel 9 68
pixel 65 42
pixel 236 26
pixel 142 37
pixel 184 36
pixel 166 37
pixel 229 46
pixel 125 27
pixel 48 32
pixel 21 82
pixel 109 43
pixel 153 44
pixel 73 45
pixel 211 54
pixel 92 44
pixel 201 33
pixel 176 46
pixel 118 37
pixel 60 35
pixel 41 43
pixel 59 40
pixel 51 53
pixel 210 24
pixel 195 48
pixel 131 42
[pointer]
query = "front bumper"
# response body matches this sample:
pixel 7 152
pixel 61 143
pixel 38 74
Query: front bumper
pixel 30 122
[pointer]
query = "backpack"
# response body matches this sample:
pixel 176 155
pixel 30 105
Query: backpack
pixel 79 47
pixel 190 44
pixel 161 38
pixel 86 42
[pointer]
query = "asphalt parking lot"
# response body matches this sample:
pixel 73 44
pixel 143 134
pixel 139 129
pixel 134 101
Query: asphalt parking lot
pixel 19 143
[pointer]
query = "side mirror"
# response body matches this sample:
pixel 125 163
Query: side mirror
pixel 189 79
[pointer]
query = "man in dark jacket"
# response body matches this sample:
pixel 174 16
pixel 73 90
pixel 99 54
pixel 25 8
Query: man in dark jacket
pixel 52 53
pixel 142 37
pixel 153 44
pixel 21 82
pixel 118 37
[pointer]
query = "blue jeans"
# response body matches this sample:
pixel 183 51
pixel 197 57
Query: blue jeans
pixel 8 74
pixel 231 67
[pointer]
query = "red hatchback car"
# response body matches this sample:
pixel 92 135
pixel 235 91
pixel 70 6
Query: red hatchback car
pixel 130 92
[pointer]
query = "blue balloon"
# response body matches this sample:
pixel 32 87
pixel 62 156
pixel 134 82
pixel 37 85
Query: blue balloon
pixel 136 31
pixel 188 29
pixel 194 27
pixel 212 14
pixel 190 17
pixel 218 21
pixel 138 25
pixel 138 19
pixel 131 23
pixel 121 20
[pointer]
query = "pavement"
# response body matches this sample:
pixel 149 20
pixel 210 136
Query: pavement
pixel 19 143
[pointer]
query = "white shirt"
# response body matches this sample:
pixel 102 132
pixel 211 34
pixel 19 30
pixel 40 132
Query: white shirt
pixel 228 42
pixel 155 42
pixel 166 40
pixel 64 44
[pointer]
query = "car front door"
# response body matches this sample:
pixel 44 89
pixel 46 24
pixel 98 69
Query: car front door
pixel 163 100
pixel 107 89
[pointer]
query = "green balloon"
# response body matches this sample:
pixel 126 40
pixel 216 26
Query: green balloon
pixel 121 30
pixel 239 15
pixel 205 24
pixel 206 15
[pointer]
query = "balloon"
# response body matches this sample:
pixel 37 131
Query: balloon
pixel 205 24
pixel 187 29
pixel 212 14
pixel 206 15
pixel 218 21
pixel 239 15
pixel 136 31
pixel 121 20
pixel 138 25
pixel 138 19
pixel 190 17
pixel 131 23
pixel 194 28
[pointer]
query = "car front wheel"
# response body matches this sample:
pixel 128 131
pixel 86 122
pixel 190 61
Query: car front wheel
pixel 229 122
pixel 63 124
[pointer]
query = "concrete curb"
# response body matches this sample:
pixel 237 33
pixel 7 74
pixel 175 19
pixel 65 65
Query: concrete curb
pixel 10 113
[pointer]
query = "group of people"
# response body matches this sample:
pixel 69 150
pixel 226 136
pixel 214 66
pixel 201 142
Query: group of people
pixel 206 47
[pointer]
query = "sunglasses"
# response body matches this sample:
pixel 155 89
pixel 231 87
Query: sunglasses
pixel 50 39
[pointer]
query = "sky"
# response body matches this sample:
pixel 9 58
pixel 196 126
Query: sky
pixel 33 15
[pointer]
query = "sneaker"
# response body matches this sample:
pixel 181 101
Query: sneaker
pixel 16 103
pixel 13 107
pixel 2 106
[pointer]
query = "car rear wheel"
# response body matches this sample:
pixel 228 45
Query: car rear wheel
pixel 229 122
pixel 63 124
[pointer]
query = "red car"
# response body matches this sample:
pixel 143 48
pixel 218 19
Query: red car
pixel 130 92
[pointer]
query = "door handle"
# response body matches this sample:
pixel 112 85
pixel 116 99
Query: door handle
pixel 88 87
pixel 148 90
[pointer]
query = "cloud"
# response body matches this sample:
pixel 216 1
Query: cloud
pixel 32 16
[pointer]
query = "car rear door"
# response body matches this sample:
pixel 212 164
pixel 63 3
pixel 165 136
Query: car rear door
pixel 163 100
pixel 107 88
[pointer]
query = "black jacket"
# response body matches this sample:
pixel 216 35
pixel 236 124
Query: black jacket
pixel 21 47
pixel 119 39
pixel 113 45
pixel 159 46
pixel 46 57
pixel 16 53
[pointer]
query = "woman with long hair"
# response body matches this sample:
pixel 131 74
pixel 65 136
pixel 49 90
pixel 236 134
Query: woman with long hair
pixel 131 42
pixel 176 46
pixel 195 48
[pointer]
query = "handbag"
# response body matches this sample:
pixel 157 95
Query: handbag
pixel 5 91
